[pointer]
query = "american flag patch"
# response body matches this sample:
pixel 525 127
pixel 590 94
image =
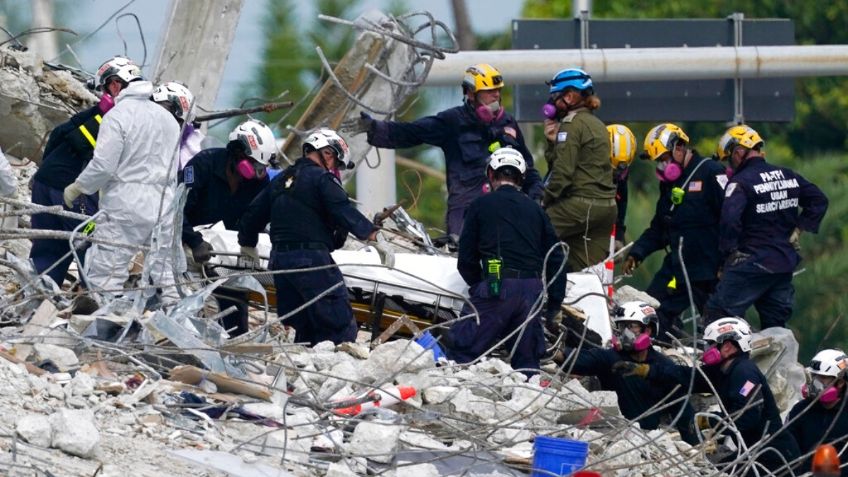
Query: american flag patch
pixel 696 186
pixel 746 388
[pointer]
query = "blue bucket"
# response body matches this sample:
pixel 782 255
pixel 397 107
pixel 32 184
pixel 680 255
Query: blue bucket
pixel 427 341
pixel 558 456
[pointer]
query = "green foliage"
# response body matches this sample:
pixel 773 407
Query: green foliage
pixel 821 104
pixel 283 60
pixel 290 62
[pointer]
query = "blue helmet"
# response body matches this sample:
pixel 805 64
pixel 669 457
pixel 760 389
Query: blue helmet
pixel 571 78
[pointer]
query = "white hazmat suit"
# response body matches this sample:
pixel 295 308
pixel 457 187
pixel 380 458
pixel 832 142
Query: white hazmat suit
pixel 8 182
pixel 132 167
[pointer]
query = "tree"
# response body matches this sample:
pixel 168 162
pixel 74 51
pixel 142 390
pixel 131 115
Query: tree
pixel 821 104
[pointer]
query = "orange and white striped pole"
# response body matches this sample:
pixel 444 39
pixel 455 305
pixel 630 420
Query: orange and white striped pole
pixel 609 265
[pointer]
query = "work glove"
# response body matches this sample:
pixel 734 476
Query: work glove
pixel 630 264
pixel 795 239
pixel 249 257
pixel 202 252
pixel 553 320
pixel 363 124
pixel 736 258
pixel 629 368
pixel 618 246
pixel 71 193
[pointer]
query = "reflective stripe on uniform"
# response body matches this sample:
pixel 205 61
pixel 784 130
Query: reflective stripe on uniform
pixel 87 134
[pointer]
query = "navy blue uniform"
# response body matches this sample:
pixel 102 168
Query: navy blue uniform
pixel 310 216
pixel 506 224
pixel 621 195
pixel 465 140
pixel 635 395
pixel 211 198
pixel 69 148
pixel 763 205
pixel 695 220
pixel 740 386
pixel 818 425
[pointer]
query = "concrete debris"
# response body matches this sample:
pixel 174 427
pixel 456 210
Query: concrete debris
pixel 627 293
pixel 396 356
pixel 75 432
pixel 375 440
pixel 63 358
pixel 439 394
pixel 34 100
pixel 35 429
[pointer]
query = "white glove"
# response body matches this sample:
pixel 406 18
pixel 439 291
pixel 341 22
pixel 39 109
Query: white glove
pixel 795 239
pixel 71 193
pixel 249 257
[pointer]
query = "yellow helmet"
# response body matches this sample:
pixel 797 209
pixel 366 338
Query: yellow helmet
pixel 622 145
pixel 740 135
pixel 662 138
pixel 481 77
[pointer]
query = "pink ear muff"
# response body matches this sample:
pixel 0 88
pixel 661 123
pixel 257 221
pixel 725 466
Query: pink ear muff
pixel 487 116
pixel 245 169
pixel 671 173
pixel 642 342
pixel 830 395
pixel 711 356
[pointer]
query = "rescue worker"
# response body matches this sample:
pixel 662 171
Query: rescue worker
pixel 134 168
pixel 579 191
pixel 8 181
pixel 310 216
pixel 766 207
pixel 467 135
pixel 740 386
pixel 222 182
pixel 822 416
pixel 502 250
pixel 622 153
pixel 69 148
pixel 691 189
pixel 635 326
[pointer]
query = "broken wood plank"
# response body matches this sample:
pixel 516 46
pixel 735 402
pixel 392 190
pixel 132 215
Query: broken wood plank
pixel 395 327
pixel 225 384
pixel 33 369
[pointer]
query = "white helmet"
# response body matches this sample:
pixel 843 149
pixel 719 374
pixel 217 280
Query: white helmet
pixel 257 139
pixel 635 312
pixel 120 66
pixel 734 329
pixel 325 137
pixel 178 96
pixel 829 362
pixel 507 156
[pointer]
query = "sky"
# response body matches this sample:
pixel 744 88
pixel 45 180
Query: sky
pixel 486 16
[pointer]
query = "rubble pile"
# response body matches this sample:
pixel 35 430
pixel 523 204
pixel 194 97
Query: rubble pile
pixel 34 98
pixel 177 394
pixel 81 405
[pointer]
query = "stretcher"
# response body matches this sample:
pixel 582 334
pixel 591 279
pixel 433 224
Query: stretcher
pixel 425 287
